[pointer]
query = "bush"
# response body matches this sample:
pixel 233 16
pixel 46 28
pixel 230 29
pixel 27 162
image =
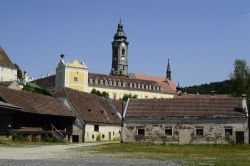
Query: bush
pixel 16 136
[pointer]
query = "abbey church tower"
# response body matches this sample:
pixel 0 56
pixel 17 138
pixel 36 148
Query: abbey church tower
pixel 120 53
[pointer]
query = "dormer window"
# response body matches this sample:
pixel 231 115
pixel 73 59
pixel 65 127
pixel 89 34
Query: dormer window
pixel 124 84
pixel 114 83
pixel 139 85
pixel 96 81
pixel 90 81
pixel 110 83
pixel 106 82
pixel 101 82
pixel 130 85
pixel 119 83
pixel 142 86
pixel 135 85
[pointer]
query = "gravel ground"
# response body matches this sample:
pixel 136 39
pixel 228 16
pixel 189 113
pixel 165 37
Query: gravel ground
pixel 85 162
pixel 61 155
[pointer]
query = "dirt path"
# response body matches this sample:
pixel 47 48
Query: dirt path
pixel 42 152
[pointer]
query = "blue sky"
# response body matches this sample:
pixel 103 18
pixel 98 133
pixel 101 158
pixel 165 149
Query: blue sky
pixel 201 38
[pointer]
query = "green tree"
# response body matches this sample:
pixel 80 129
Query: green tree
pixel 19 73
pixel 127 96
pixel 240 78
pixel 98 93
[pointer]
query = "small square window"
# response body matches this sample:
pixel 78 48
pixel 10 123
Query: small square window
pixel 168 131
pixel 140 131
pixel 75 79
pixel 228 132
pixel 199 131
pixel 96 128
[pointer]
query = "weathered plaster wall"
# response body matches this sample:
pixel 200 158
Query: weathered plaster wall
pixel 110 132
pixel 184 132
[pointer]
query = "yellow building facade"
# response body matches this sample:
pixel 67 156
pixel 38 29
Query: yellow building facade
pixel 75 75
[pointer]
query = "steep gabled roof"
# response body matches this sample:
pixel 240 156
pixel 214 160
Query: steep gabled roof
pixel 92 109
pixel 206 107
pixel 34 103
pixel 5 60
pixel 46 82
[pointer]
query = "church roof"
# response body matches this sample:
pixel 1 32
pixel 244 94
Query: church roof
pixel 118 82
pixel 167 85
pixel 5 60
pixel 121 82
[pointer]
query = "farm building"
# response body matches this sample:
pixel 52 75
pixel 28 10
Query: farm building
pixel 192 120
pixel 97 118
pixel 33 115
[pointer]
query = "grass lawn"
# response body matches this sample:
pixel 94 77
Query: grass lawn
pixel 222 155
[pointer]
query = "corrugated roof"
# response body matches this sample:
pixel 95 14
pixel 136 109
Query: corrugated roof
pixel 34 103
pixel 92 109
pixel 185 107
pixel 5 60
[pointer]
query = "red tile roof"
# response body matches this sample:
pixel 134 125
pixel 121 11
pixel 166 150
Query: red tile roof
pixel 92 109
pixel 5 60
pixel 34 103
pixel 185 107
pixel 168 85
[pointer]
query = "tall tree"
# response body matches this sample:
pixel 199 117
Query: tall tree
pixel 240 78
pixel 19 73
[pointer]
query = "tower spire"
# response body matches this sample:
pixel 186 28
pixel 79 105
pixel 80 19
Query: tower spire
pixel 168 72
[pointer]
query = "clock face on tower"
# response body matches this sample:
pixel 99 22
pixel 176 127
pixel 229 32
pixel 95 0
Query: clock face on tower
pixel 123 44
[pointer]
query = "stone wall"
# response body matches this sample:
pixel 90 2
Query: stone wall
pixel 185 132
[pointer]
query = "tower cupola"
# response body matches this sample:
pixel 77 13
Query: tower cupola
pixel 120 53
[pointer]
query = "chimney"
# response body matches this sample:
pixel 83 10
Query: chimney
pixel 244 103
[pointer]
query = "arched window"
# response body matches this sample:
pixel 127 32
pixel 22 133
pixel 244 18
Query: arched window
pixel 123 51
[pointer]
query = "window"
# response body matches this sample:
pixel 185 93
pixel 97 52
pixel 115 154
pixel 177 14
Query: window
pixel 93 136
pixel 75 79
pixel 140 131
pixel 96 128
pixel 228 132
pixel 103 136
pixel 114 95
pixel 168 131
pixel 123 58
pixel 199 131
pixel 123 51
